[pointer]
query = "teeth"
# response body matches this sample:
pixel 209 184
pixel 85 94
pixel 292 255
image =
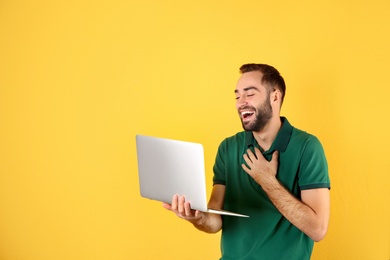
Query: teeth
pixel 246 113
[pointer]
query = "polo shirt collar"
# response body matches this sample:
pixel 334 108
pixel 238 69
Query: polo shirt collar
pixel 281 141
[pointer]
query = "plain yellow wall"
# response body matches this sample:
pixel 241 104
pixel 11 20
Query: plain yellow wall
pixel 78 80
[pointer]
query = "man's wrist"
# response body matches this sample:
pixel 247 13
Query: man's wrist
pixel 199 222
pixel 271 184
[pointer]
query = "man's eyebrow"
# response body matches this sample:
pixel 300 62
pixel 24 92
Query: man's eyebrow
pixel 247 89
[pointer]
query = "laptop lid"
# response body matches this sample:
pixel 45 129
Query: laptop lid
pixel 167 167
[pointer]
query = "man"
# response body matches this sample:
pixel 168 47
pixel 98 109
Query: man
pixel 273 172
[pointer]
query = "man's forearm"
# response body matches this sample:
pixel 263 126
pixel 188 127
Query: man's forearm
pixel 298 213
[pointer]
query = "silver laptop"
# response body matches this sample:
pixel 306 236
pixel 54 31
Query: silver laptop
pixel 167 167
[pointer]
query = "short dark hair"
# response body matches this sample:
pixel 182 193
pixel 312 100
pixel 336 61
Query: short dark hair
pixel 271 76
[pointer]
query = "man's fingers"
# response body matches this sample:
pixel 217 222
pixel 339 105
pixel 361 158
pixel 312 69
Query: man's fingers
pixel 275 155
pixel 246 169
pixel 180 207
pixel 275 158
pixel 252 156
pixel 257 153
pixel 247 159
pixel 174 202
pixel 187 209
pixel 249 154
pixel 167 206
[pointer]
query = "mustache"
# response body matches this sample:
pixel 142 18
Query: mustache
pixel 246 107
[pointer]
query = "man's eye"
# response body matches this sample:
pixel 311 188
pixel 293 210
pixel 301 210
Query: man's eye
pixel 250 95
pixel 237 98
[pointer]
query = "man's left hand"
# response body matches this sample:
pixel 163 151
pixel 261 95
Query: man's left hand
pixel 261 170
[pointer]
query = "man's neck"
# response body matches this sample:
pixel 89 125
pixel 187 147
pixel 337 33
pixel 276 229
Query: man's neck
pixel 267 135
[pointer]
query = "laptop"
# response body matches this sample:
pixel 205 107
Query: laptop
pixel 167 167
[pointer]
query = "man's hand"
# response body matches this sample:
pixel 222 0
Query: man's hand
pixel 262 171
pixel 182 209
pixel 207 222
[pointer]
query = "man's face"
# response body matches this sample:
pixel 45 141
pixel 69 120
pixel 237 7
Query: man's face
pixel 253 101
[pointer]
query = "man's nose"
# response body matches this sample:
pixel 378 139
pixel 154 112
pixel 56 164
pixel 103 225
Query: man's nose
pixel 241 101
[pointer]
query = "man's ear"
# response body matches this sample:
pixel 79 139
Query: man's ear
pixel 276 96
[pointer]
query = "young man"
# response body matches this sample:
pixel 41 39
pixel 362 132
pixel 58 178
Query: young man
pixel 273 172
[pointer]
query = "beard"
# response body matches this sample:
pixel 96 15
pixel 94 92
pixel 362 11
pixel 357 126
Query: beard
pixel 263 115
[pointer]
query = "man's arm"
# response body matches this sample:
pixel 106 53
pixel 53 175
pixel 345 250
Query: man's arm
pixel 207 222
pixel 311 215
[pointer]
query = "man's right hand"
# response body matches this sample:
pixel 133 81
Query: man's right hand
pixel 207 222
pixel 182 209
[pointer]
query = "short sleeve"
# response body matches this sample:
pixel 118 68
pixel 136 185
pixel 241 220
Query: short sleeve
pixel 219 165
pixel 313 172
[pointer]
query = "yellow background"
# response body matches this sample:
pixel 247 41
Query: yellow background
pixel 78 80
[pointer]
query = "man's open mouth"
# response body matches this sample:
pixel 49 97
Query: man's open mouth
pixel 246 114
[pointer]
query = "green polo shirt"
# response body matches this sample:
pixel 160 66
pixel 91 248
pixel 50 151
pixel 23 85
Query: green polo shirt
pixel 266 234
